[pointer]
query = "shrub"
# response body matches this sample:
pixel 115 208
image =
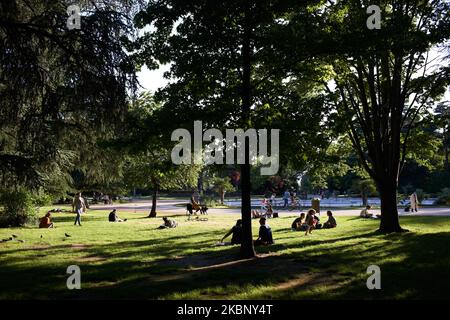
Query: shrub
pixel 444 197
pixel 210 202
pixel 420 195
pixel 18 208
pixel 42 199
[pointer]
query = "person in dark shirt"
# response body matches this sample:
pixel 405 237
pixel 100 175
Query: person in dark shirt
pixel 265 234
pixel 236 232
pixel 299 223
pixel 331 223
pixel 113 217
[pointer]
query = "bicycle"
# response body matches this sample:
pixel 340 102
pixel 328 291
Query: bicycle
pixel 295 205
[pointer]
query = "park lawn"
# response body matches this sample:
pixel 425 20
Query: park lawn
pixel 133 260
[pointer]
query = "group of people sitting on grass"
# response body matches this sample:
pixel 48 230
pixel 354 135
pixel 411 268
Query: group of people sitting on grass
pixel 268 214
pixel 306 223
pixel 264 234
pixel 310 221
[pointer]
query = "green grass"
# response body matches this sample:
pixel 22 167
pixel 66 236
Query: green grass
pixel 134 260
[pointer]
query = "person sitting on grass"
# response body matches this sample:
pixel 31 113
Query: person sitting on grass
pixel 310 221
pixel 46 221
pixel 256 214
pixel 265 234
pixel 299 223
pixel 269 211
pixel 168 224
pixel 236 232
pixel 113 217
pixel 317 224
pixel 331 223
pixel 366 214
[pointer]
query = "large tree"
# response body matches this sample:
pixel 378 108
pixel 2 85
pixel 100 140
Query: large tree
pixel 147 152
pixel 60 89
pixel 380 80
pixel 220 74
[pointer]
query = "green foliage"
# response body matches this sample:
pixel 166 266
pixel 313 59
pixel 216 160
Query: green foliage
pixel 210 201
pixel 364 186
pixel 420 195
pixel 207 72
pixel 19 208
pixel 444 197
pixel 437 181
pixel 61 89
pixel 146 160
pixel 42 199
pixel 222 184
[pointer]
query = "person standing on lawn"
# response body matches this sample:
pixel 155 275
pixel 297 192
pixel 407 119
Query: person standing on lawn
pixel 80 207
pixel 414 202
pixel 286 197
pixel 310 221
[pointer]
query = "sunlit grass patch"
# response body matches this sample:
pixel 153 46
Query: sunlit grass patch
pixel 135 260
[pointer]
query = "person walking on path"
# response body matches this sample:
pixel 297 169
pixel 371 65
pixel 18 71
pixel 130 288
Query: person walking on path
pixel 80 207
pixel 286 197
pixel 414 202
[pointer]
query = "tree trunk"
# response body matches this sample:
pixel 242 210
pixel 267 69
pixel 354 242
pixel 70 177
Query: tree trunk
pixel 154 202
pixel 389 213
pixel 364 198
pixel 247 248
pixel 222 196
pixel 446 150
pixel 200 183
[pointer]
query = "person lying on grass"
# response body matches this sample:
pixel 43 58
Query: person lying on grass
pixel 265 234
pixel 299 223
pixel 168 224
pixel 331 223
pixel 46 221
pixel 113 217
pixel 236 232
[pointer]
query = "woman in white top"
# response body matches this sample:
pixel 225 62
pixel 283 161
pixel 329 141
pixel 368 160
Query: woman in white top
pixel 414 202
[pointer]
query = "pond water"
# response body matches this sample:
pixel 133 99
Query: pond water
pixel 330 202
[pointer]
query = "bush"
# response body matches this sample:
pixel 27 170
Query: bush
pixel 18 208
pixel 420 195
pixel 210 202
pixel 444 197
pixel 42 200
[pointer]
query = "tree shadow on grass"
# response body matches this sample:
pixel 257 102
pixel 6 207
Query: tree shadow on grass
pixel 417 266
pixel 413 265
